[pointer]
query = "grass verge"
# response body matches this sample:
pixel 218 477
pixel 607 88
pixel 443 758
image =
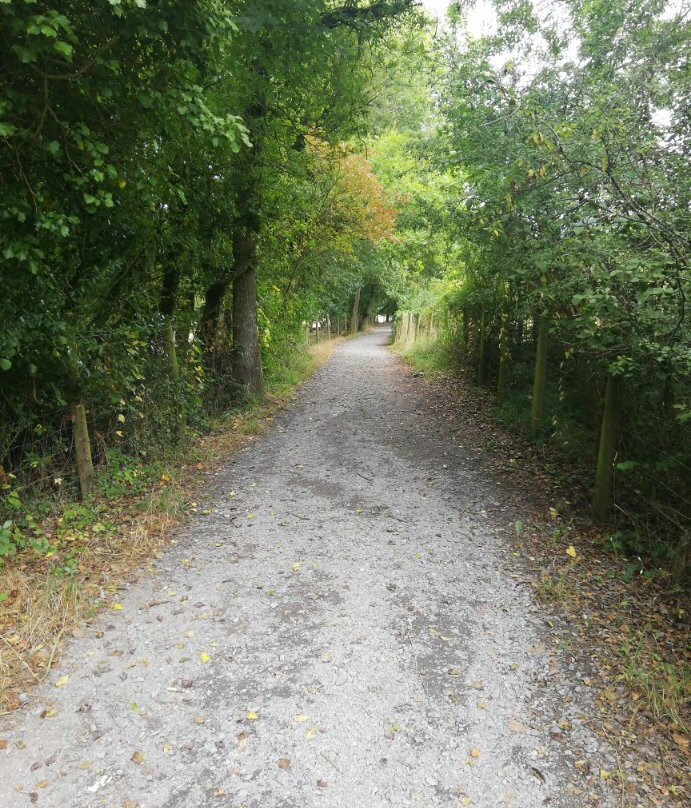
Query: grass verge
pixel 89 548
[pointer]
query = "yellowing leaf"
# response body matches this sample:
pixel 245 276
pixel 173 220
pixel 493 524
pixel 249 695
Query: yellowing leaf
pixel 296 566
pixel 117 607
pixel 121 418
pixel 138 757
pixel 604 774
pixel 62 681
pixel 571 551
pixel 481 704
pixel 475 753
pixel 300 718
pixel 204 657
pixel 251 515
pixel 311 732
pixel 252 716
pixel 42 784
pixel 49 713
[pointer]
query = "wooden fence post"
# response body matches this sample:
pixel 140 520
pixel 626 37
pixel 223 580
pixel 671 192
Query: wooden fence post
pixel 82 447
pixel 607 448
pixel 540 376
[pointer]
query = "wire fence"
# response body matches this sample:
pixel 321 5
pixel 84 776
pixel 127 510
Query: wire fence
pixel 649 506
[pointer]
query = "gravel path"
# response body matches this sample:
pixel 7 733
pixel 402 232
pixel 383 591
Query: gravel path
pixel 342 630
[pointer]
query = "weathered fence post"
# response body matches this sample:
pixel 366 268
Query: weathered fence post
pixel 82 447
pixel 540 376
pixel 607 447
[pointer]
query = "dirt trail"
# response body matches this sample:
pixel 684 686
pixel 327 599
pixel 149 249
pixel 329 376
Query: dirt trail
pixel 367 644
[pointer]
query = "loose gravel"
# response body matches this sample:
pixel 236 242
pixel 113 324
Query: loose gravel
pixel 341 628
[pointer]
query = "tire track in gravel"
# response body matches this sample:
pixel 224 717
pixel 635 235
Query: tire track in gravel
pixel 352 595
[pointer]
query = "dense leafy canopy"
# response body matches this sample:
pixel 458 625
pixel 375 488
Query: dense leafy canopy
pixel 187 186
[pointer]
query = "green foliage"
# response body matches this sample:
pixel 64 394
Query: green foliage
pixel 550 184
pixel 151 153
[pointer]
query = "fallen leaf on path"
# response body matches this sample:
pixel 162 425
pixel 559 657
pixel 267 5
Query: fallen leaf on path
pixel 117 607
pixel 571 551
pixel 300 718
pixel 284 763
pixel 311 732
pixel 48 713
pixel 204 657
pixel 252 716
pixel 62 681
pixel 516 726
pixel 42 784
pixel 138 757
pixel 475 753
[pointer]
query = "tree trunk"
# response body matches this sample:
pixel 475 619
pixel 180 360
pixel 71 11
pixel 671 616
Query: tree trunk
pixel 607 449
pixel 464 336
pixel 246 356
pixel 355 317
pixel 481 348
pixel 167 306
pixel 503 356
pixel 82 447
pixel 540 376
pixel 208 326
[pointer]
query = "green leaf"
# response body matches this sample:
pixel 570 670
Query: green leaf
pixel 64 48
pixel 5 364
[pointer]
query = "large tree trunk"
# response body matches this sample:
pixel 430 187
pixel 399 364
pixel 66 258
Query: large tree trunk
pixel 540 376
pixel 247 364
pixel 355 317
